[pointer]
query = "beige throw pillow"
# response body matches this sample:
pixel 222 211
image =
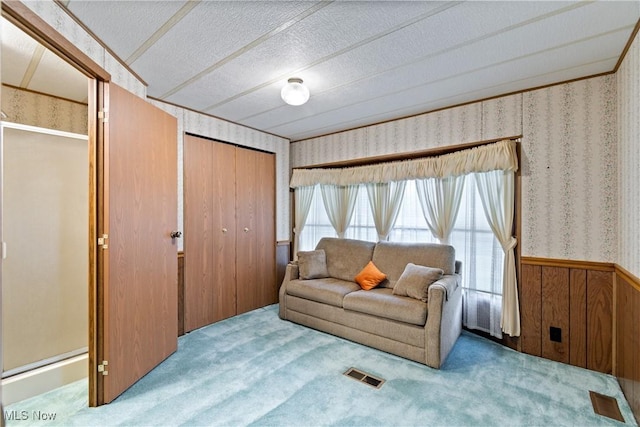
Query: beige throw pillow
pixel 312 264
pixel 415 281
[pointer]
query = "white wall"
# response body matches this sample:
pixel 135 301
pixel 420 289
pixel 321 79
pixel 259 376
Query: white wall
pixel 628 77
pixel 569 159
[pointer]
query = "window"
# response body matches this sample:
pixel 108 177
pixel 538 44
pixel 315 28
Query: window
pixel 475 243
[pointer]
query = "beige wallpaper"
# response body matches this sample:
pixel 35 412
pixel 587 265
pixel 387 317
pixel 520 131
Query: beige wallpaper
pixel 628 79
pixel 569 178
pixel 568 162
pixel 44 111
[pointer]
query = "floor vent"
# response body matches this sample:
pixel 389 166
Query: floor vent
pixel 364 377
pixel 605 405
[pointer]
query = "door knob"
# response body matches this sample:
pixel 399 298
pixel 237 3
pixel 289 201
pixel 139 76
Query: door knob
pixel 224 230
pixel 176 234
pixel 246 230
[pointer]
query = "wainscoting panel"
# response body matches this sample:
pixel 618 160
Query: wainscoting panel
pixel 578 317
pixel 567 311
pixel 531 311
pixel 628 337
pixel 282 259
pixel 555 313
pixel 599 320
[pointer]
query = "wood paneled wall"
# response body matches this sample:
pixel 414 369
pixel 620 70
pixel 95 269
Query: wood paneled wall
pixel 627 344
pixel 577 299
pixel 283 250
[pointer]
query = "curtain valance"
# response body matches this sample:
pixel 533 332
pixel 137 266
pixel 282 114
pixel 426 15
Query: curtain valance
pixel 500 155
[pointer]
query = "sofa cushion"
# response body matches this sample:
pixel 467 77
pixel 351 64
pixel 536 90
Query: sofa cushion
pixel 415 281
pixel 370 277
pixel 382 303
pixel 346 257
pixel 312 264
pixel 329 291
pixel 392 258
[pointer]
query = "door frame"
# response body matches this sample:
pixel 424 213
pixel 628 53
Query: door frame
pixel 29 22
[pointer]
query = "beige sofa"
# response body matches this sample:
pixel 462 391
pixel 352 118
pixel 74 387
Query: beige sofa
pixel 402 325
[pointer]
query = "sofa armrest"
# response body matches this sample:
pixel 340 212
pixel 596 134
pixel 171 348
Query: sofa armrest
pixel 449 283
pixel 444 319
pixel 291 273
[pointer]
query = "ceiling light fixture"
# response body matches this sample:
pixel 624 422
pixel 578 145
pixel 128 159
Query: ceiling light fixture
pixel 294 92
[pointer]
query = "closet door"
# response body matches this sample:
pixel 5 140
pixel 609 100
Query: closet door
pixel 210 232
pixel 255 212
pixel 198 236
pixel 224 230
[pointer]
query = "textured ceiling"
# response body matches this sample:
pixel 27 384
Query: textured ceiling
pixel 363 61
pixel 27 64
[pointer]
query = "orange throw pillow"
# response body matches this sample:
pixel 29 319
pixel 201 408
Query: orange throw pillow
pixel 370 277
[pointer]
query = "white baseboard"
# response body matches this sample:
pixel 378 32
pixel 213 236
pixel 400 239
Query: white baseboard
pixel 44 379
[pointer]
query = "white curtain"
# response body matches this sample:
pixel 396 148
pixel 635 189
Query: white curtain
pixel 501 155
pixel 440 200
pixel 339 201
pixel 482 261
pixel 385 200
pixel 496 190
pixel 303 199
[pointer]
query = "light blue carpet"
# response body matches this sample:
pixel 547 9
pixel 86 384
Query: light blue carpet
pixel 255 369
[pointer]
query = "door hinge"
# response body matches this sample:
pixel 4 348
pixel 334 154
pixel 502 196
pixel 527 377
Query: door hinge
pixel 102 241
pixel 102 368
pixel 103 115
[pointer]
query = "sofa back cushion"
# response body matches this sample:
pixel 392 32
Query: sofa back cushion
pixel 393 257
pixel 346 257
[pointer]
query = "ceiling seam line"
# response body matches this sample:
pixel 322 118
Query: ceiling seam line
pixel 33 66
pixel 561 46
pixel 361 43
pixel 478 100
pixel 298 18
pixel 164 29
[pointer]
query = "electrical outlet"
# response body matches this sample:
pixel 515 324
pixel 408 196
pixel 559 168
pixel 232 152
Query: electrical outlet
pixel 555 334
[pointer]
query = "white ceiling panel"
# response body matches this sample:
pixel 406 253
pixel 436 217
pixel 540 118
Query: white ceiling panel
pixel 211 33
pixel 421 41
pixel 423 37
pixel 321 35
pixel 52 69
pixel 17 50
pixel 129 23
pixel 28 65
pixel 363 61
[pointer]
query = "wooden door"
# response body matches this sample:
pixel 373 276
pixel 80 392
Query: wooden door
pixel 224 230
pixel 198 232
pixel 210 231
pixel 137 277
pixel 266 229
pixel 255 211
